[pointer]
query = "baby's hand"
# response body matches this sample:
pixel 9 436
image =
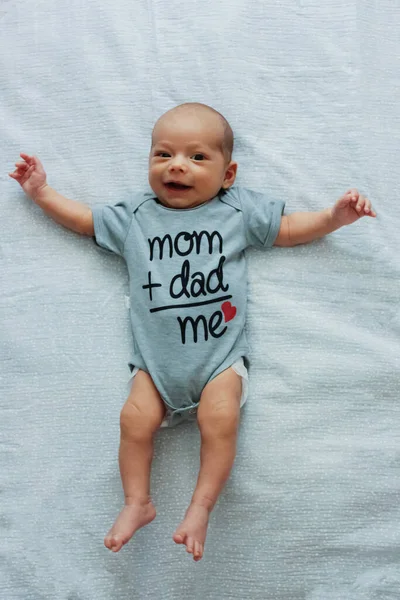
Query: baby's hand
pixel 351 207
pixel 30 175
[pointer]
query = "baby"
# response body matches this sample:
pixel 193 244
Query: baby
pixel 184 248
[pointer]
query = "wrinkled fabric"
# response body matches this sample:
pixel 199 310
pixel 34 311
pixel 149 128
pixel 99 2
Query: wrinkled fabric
pixel 311 510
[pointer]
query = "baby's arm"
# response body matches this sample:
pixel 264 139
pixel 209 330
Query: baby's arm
pixel 69 213
pixel 302 228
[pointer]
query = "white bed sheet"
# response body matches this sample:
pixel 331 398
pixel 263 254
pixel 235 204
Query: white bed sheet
pixel 312 508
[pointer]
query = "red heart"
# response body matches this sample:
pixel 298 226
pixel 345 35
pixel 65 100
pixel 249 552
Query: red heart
pixel 228 310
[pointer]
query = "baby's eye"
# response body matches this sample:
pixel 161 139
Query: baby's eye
pixel 162 154
pixel 198 156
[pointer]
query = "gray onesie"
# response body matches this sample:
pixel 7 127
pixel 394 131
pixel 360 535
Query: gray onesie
pixel 188 283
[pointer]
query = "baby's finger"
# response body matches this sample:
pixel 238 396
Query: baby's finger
pixel 353 193
pixel 26 157
pixel 368 208
pixel 16 173
pixel 21 173
pixel 35 162
pixel 22 165
pixel 360 204
pixel 30 160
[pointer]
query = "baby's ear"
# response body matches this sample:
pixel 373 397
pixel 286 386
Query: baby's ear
pixel 230 175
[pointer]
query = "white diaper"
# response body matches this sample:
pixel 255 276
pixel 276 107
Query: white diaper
pixel 237 366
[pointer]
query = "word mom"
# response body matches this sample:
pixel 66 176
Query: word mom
pixel 184 243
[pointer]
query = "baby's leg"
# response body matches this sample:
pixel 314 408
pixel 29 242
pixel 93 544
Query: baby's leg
pixel 218 417
pixel 141 416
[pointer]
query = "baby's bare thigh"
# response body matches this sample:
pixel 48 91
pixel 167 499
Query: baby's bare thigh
pixel 144 403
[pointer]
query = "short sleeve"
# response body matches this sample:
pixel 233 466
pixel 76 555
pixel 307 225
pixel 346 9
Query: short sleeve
pixel 111 225
pixel 262 217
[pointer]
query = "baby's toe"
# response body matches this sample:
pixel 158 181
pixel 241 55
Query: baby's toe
pixel 198 551
pixel 107 542
pixel 189 545
pixel 116 544
pixel 178 538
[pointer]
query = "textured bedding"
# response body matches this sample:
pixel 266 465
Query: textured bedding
pixel 311 511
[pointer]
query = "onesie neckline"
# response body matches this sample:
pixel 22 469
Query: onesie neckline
pixel 183 210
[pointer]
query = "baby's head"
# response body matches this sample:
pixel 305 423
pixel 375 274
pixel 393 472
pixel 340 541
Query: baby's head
pixel 190 158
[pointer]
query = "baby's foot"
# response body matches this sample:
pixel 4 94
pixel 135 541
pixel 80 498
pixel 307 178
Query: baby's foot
pixel 193 530
pixel 131 518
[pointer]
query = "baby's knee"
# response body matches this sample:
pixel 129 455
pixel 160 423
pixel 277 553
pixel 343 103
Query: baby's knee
pixel 136 423
pixel 220 419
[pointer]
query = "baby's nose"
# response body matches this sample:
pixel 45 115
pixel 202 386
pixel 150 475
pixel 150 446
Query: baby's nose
pixel 178 165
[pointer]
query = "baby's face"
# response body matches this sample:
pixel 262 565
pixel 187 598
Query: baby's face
pixel 186 165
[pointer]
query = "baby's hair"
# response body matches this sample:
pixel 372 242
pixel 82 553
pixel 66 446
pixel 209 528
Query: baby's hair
pixel 227 140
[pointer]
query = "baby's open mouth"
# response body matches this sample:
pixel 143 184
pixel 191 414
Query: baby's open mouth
pixel 177 186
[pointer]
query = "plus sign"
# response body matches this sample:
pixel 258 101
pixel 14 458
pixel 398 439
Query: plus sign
pixel 150 286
